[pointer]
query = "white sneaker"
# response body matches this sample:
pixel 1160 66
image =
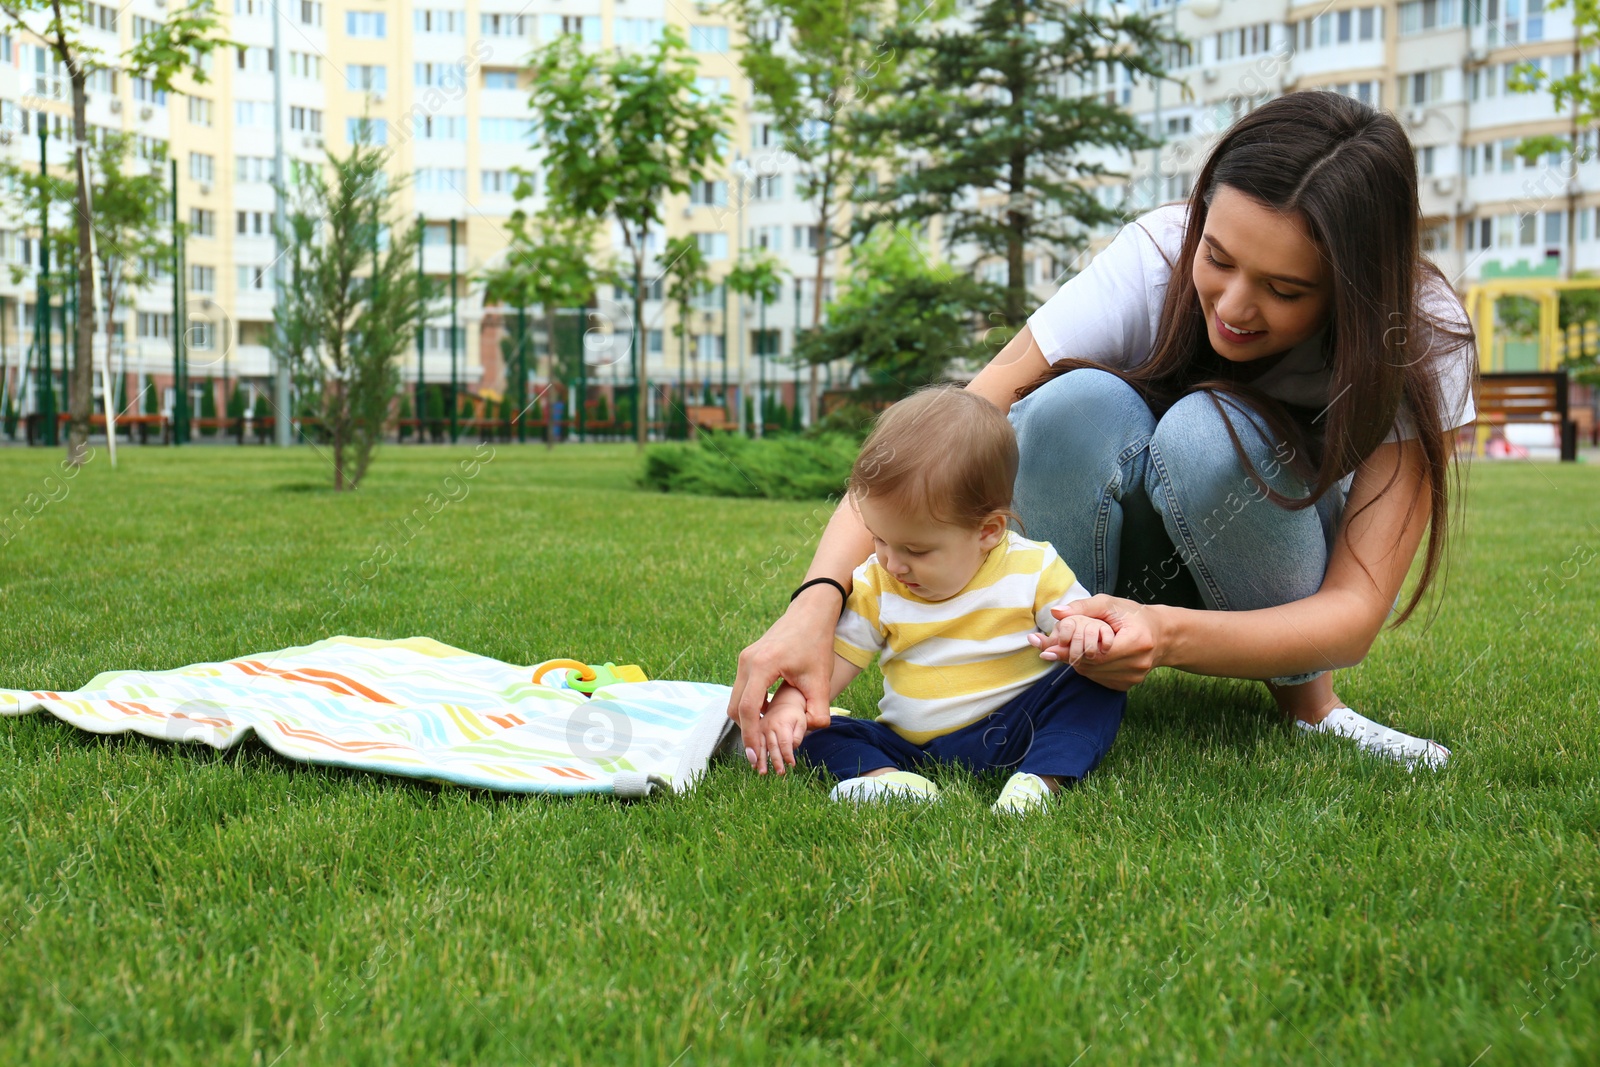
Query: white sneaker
pixel 1380 740
pixel 896 785
pixel 1023 793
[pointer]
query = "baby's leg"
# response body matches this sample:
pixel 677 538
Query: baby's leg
pixel 1059 729
pixel 857 748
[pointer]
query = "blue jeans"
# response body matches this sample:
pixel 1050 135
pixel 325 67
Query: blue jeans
pixel 1061 725
pixel 1160 510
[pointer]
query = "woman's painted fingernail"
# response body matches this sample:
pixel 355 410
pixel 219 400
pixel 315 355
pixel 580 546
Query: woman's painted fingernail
pixel 1047 655
pixel 750 754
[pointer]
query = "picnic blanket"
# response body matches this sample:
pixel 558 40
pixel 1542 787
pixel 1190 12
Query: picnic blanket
pixel 416 708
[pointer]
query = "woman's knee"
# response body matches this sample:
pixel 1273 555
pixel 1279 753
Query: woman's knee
pixel 1085 407
pixel 1194 448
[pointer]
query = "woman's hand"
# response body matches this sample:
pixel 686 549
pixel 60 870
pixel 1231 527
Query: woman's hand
pixel 797 649
pixel 1134 651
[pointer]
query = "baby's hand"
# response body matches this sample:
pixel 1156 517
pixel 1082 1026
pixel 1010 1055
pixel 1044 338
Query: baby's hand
pixel 782 728
pixel 1074 637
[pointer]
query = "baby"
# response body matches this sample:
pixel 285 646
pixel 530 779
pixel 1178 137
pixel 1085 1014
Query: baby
pixel 956 606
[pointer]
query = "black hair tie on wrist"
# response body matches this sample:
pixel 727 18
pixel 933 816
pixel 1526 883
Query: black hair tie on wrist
pixel 821 581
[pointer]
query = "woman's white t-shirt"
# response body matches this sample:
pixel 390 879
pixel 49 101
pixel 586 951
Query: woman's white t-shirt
pixel 1111 311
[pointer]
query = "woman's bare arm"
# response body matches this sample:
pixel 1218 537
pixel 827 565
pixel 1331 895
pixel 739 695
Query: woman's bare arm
pixel 798 647
pixel 1332 628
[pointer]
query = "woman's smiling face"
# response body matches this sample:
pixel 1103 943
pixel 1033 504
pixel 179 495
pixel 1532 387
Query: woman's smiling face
pixel 1262 282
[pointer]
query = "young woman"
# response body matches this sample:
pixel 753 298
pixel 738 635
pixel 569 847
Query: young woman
pixel 1236 425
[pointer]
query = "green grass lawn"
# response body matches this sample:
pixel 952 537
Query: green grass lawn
pixel 1221 890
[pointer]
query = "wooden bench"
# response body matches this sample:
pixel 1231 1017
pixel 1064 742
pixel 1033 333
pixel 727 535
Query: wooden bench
pixel 1537 398
pixel 708 417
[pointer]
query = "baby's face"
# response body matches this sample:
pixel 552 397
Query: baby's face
pixel 934 560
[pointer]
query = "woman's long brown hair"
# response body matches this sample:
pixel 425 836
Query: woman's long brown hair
pixel 1350 173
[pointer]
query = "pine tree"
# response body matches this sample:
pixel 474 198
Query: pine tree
pixel 208 409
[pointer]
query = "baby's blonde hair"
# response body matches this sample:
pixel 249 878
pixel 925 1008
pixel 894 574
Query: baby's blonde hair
pixel 943 452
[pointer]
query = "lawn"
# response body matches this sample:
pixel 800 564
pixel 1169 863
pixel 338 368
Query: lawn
pixel 1222 890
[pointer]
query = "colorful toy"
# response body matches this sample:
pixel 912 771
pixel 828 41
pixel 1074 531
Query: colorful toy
pixel 583 677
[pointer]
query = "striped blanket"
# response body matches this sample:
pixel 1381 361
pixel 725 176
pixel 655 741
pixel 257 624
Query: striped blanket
pixel 416 708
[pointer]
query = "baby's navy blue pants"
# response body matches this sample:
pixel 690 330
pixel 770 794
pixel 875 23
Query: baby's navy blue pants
pixel 1062 725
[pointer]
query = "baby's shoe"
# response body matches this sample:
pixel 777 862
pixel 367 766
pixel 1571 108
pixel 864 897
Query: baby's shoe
pixel 1023 793
pixel 1380 740
pixel 896 785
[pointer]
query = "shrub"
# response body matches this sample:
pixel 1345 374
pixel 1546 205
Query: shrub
pixel 725 464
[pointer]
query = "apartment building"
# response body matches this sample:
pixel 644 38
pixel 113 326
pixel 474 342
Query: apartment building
pixel 442 87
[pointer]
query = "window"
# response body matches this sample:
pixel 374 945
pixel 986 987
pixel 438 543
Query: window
pixel 1244 41
pixel 202 222
pixel 442 128
pixel 767 238
pixel 252 113
pixel 767 187
pixel 153 149
pixel 251 223
pixel 712 245
pixel 496 181
pixel 254 60
pixel 1555 226
pixel 442 75
pixel 145 91
pixel 499 79
pixel 713 86
pixel 252 277
pixel 657 337
pixel 199 334
pixel 252 169
pixel 249 8
pixel 370 24
pixel 586 27
pixel 437 338
pixel 100 17
pixel 505 25
pixel 636 33
pixel 1177 127
pixel 199 111
pixel 709 194
pixel 505 131
pixel 1425 161
pixel 311 13
pixel 1367 19
pixel 1423 87
pixel 433 20
pixel 366 78
pixel 143 27
pixel 202 168
pixel 708 38
pixel 1420 16
pixel 441 180
pixel 366 131
pixel 305 119
pixel 153 324
pixel 305 65
pixel 203 279
pixel 806 238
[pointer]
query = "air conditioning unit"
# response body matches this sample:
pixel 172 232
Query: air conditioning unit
pixel 1416 116
pixel 1477 55
pixel 116 105
pixel 1466 207
pixel 1444 186
pixel 205 188
pixel 147 112
pixel 377 98
pixel 1209 74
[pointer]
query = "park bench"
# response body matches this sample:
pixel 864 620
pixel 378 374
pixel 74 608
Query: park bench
pixel 1517 405
pixel 708 417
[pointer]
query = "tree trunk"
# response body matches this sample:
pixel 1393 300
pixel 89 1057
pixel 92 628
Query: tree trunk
pixel 82 407
pixel 640 342
pixel 549 409
pixel 824 231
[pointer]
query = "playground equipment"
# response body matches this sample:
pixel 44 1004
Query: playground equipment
pixel 1523 397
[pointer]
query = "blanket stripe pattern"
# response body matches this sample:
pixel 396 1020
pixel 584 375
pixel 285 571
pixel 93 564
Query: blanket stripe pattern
pixel 416 708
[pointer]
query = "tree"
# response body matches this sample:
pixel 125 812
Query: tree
pixel 548 266
pixel 181 45
pixel 760 277
pixel 354 306
pixel 815 78
pixel 1000 148
pixel 1578 92
pixel 620 135
pixel 901 322
pixel 685 274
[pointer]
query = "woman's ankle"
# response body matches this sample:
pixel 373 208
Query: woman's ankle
pixel 1310 703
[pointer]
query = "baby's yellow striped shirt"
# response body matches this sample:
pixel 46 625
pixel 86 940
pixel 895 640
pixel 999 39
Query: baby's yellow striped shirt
pixel 948 663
